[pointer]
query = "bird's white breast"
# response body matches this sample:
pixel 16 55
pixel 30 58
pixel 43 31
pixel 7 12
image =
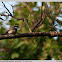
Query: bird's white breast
pixel 10 31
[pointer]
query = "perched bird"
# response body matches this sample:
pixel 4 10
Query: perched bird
pixel 12 30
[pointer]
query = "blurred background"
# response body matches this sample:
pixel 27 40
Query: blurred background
pixel 38 48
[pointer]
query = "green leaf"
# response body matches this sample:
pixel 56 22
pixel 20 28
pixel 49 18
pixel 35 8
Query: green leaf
pixel 14 55
pixel 19 45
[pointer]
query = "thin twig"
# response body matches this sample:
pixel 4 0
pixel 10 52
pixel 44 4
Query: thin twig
pixel 18 18
pixel 7 9
pixel 42 15
pixel 27 24
pixel 12 17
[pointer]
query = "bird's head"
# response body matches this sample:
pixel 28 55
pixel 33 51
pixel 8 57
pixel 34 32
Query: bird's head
pixel 15 26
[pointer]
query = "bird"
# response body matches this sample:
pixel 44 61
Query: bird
pixel 12 30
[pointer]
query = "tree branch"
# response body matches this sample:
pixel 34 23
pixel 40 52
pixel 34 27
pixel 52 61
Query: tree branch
pixel 40 21
pixel 33 34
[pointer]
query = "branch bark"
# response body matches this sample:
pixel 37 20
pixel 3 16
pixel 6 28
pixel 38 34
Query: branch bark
pixel 33 34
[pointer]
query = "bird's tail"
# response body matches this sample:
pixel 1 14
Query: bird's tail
pixel 4 34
